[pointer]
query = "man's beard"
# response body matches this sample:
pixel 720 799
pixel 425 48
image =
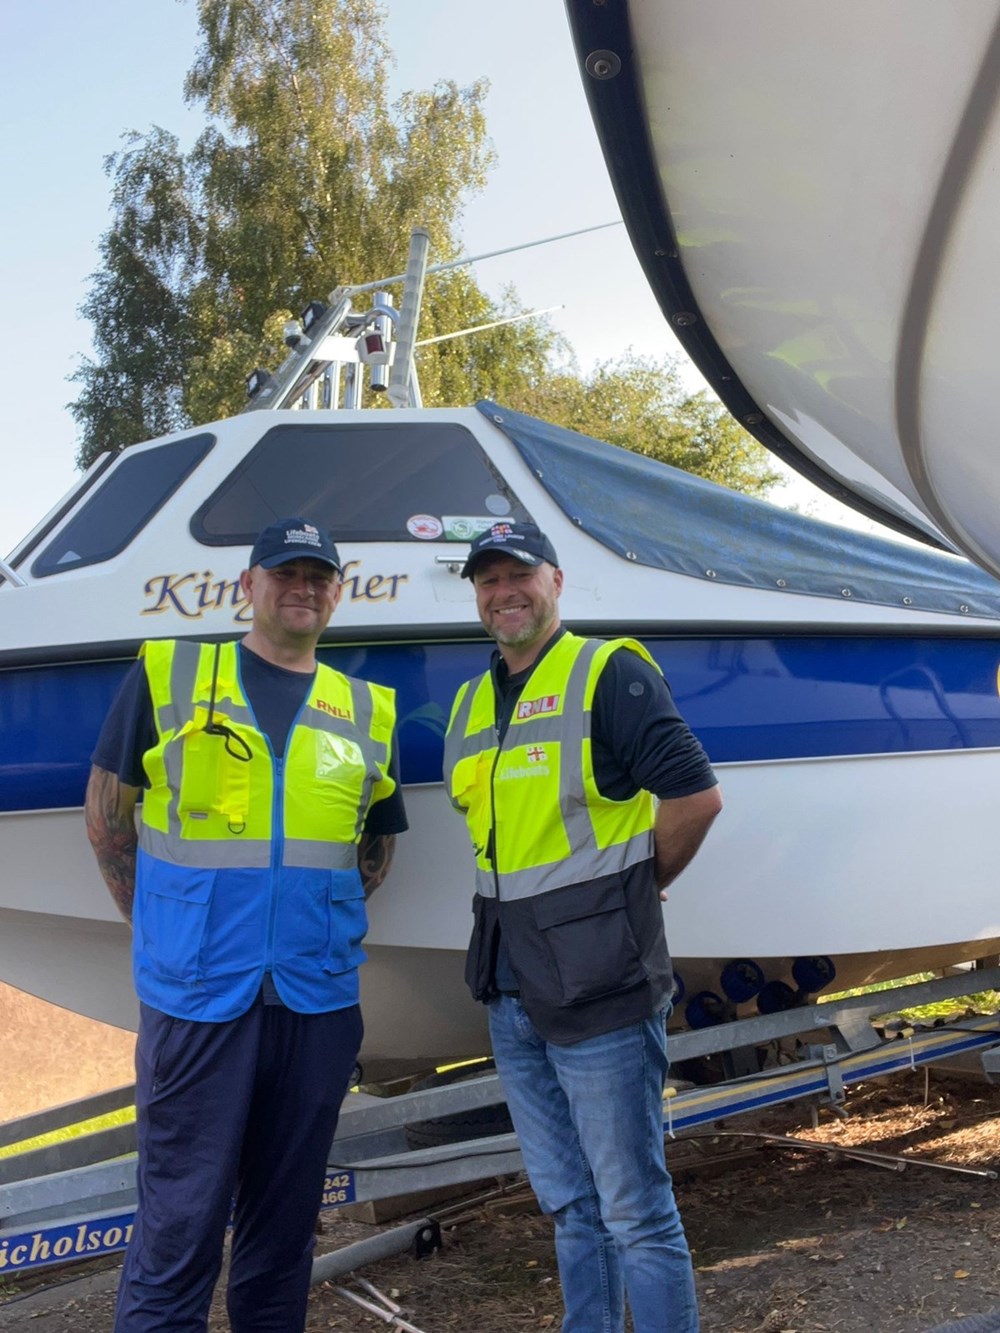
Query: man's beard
pixel 530 630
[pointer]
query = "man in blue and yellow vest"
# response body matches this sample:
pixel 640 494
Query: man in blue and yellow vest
pixel 270 806
pixel 555 756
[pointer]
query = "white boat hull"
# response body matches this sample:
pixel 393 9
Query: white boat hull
pixel 798 867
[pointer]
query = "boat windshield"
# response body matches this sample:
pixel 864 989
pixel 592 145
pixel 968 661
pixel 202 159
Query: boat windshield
pixel 413 481
pixel 116 512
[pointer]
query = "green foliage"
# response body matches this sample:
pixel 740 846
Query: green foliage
pixel 641 404
pixel 494 363
pixel 304 179
pixel 136 303
pixel 980 1002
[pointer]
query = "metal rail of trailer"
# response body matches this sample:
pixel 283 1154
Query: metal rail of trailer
pixel 75 1199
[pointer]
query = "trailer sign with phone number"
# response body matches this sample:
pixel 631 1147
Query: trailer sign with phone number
pixel 87 1238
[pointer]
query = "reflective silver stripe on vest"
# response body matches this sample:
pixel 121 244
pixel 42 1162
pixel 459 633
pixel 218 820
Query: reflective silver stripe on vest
pixel 459 746
pixel 536 730
pixel 586 861
pixel 246 853
pixel 183 679
pixel 217 854
pixel 212 854
pixel 184 670
pixel 320 855
pixel 579 868
pixel 579 820
pixel 235 710
pixel 575 725
pixel 183 675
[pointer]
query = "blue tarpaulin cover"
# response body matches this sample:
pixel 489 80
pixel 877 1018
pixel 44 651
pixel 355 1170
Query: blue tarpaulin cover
pixel 660 516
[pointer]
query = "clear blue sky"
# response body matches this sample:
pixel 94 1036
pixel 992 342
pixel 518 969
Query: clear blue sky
pixel 73 77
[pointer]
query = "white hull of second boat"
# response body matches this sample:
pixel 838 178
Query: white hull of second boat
pixel 812 190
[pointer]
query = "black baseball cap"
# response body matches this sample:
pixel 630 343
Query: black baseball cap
pixel 293 539
pixel 521 540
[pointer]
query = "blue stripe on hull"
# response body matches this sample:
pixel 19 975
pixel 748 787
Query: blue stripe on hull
pixel 747 698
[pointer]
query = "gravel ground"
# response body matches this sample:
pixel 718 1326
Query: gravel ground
pixel 784 1241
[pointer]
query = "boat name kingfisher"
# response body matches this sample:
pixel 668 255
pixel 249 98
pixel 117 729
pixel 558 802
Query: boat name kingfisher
pixel 194 594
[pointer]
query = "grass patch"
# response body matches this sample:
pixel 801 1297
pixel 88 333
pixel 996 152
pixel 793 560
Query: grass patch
pixel 108 1121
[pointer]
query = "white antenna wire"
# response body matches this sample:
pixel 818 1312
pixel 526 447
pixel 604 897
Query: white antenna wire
pixel 494 324
pixel 474 259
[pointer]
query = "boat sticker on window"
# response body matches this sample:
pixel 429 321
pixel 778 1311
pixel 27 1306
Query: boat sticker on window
pixel 425 527
pixel 463 527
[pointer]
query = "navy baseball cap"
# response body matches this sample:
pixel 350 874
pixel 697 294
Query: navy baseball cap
pixel 521 540
pixel 293 539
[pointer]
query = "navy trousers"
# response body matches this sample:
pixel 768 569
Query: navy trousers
pixel 241 1111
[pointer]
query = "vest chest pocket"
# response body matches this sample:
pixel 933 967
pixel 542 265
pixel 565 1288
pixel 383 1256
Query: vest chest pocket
pixel 338 758
pixel 589 940
pixel 470 788
pixel 212 780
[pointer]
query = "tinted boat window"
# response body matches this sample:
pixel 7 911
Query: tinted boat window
pixel 119 509
pixel 407 482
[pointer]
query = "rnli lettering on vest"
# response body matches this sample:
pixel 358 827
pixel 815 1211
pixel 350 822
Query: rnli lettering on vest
pixel 532 707
pixel 194 595
pixel 334 711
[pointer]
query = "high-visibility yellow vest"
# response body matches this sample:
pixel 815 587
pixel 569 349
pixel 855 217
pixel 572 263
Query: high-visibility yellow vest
pixel 248 863
pixel 536 817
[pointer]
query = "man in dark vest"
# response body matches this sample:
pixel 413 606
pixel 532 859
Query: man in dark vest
pixel 555 756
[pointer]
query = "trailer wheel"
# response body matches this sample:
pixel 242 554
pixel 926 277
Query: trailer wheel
pixel 479 1122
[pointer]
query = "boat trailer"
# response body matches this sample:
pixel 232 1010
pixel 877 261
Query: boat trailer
pixel 74 1199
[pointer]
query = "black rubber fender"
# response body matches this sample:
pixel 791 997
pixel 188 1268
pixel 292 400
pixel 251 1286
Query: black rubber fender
pixel 479 1122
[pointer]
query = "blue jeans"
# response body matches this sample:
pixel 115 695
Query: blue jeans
pixel 589 1118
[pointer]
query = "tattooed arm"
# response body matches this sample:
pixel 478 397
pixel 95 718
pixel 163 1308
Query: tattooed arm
pixel 374 859
pixel 110 814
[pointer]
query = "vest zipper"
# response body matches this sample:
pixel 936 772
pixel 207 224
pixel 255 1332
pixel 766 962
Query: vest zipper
pixel 277 808
pixel 493 773
pixel 493 820
pixel 277 849
pixel 278 821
